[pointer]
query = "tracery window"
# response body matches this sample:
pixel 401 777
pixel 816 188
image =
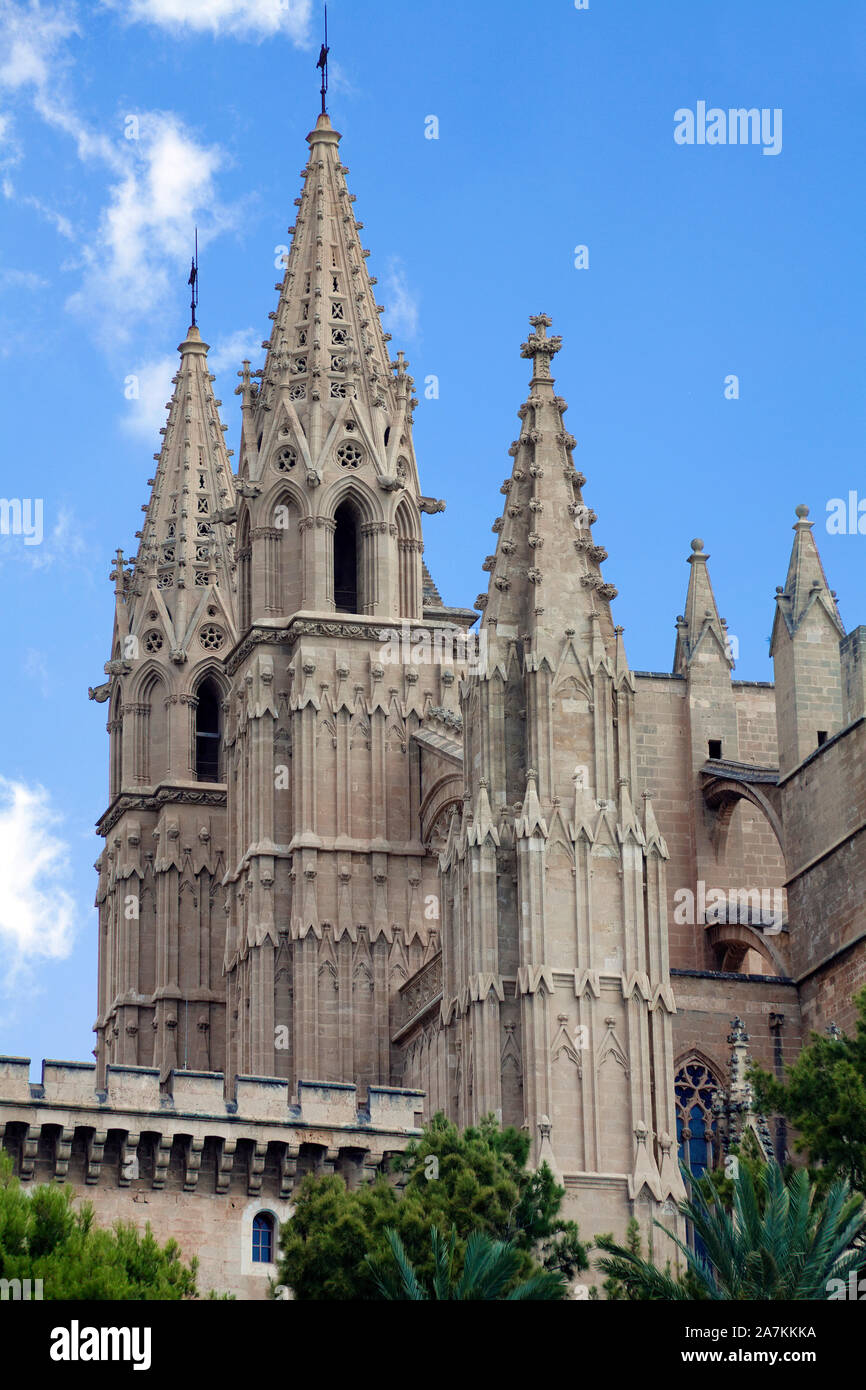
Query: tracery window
pixel 695 1088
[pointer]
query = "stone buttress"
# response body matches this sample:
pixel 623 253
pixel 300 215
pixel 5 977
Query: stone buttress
pixel 556 998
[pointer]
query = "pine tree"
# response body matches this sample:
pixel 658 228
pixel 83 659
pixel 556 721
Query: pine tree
pixel 43 1237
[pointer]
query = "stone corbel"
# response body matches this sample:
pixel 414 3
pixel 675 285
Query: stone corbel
pixel 288 1169
pixel 257 1169
pixel 29 1152
pixel 128 1159
pixel 62 1154
pixel 225 1165
pixel 192 1167
pixel 330 1159
pixel 161 1158
pixel 95 1150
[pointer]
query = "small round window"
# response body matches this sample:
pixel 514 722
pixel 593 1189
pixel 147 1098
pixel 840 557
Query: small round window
pixel 286 460
pixel 211 637
pixel 349 454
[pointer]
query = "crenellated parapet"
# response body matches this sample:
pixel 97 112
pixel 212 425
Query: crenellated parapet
pixel 138 1133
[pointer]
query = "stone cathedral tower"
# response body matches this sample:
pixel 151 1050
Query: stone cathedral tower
pixel 161 915
pixel 263 886
pixel 326 873
pixel 346 846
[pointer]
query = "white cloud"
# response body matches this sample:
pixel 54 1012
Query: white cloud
pixel 244 19
pixel 145 412
pixel 339 82
pixel 10 150
pixel 28 200
pixel 21 280
pixel 64 542
pixel 33 41
pixel 161 183
pixel 401 305
pixel 46 536
pixel 146 229
pixel 33 38
pixel 229 352
pixel 37 913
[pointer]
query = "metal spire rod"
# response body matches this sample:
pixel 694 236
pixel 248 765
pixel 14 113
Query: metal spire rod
pixel 193 280
pixel 323 64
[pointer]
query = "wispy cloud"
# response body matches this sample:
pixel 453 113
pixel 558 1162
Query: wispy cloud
pixel 161 178
pixel 243 19
pixel 37 913
pixel 64 543
pixel 401 303
pixel 148 388
pixel 229 352
pixel 146 228
pixel 36 667
pixel 29 200
pixel 149 384
pixel 48 536
pixel 35 65
pixel 339 82
pixel 11 279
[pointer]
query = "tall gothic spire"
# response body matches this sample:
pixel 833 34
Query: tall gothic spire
pixel 545 575
pixel 186 549
pixel 327 358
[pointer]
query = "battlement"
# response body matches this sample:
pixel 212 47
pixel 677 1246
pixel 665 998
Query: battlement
pixel 138 1132
pixel 198 1093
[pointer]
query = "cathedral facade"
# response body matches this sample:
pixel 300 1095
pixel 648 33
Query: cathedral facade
pixel 368 856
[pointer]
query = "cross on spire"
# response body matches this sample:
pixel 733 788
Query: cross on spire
pixel 118 574
pixel 539 346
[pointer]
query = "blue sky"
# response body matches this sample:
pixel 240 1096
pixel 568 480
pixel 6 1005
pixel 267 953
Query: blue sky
pixel 556 130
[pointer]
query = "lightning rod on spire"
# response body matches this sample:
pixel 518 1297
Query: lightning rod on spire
pixel 323 64
pixel 193 280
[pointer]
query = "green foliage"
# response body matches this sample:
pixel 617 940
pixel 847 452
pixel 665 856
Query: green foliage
pixel 824 1097
pixel 627 1279
pixel 782 1240
pixel 747 1152
pixel 43 1237
pixel 325 1243
pixel 471 1182
pixel 491 1271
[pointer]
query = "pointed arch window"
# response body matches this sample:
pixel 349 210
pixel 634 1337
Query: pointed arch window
pixel 208 732
pixel 696 1090
pixel 347 554
pixel 263 1238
